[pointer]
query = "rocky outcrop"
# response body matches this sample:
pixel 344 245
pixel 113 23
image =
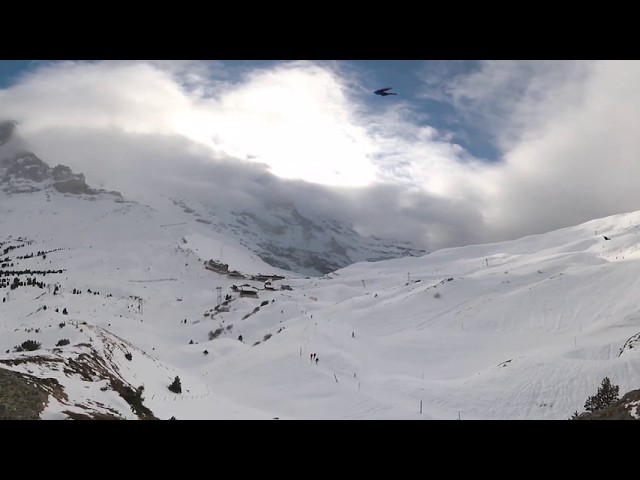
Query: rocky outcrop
pixel 26 173
pixel 285 238
pixel 627 408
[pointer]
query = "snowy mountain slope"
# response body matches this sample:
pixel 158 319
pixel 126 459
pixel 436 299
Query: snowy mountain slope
pixel 519 329
pixel 285 238
pixel 524 329
pixel 130 263
pixel 275 230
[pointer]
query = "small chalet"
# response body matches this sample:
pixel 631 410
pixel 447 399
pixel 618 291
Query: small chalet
pixel 235 274
pixel 266 278
pixel 247 290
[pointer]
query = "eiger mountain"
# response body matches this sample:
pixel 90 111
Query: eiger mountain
pixel 106 301
pixel 277 232
pixel 281 236
pixel 22 171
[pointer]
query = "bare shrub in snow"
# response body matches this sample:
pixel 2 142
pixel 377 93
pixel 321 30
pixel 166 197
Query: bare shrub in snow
pixel 216 333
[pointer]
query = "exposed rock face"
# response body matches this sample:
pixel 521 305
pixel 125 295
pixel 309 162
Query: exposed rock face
pixel 287 239
pixel 22 397
pixel 21 171
pixel 28 167
pixel 630 344
pixel 307 244
pixel 65 181
pixel 627 408
pixel 25 172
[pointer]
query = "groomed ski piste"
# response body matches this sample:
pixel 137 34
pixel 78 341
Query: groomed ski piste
pixel 524 329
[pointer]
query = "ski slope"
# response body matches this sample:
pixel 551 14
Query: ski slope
pixel 524 329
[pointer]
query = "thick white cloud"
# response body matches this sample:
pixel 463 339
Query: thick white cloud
pixel 133 98
pixel 566 132
pixel 570 144
pixel 294 118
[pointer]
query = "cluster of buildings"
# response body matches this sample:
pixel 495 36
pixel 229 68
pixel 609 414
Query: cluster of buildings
pixel 245 290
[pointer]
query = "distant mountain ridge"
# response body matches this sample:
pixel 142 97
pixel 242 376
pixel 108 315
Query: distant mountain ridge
pixel 283 237
pixel 22 171
pixel 277 232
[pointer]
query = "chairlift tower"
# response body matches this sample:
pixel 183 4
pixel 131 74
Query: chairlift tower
pixel 219 292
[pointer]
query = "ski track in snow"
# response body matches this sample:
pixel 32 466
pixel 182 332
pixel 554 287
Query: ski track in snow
pixel 526 329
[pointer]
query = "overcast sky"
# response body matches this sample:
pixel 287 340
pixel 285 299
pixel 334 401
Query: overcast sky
pixel 467 152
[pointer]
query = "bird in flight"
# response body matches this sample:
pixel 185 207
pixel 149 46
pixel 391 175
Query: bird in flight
pixel 384 92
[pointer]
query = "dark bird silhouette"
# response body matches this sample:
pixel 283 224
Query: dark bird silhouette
pixel 606 238
pixel 384 92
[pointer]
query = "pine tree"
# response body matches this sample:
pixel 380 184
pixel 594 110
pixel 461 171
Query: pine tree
pixel 176 386
pixel 607 395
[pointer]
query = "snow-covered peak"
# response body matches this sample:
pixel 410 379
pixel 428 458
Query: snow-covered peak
pixel 274 228
pixel 285 238
pixel 24 172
